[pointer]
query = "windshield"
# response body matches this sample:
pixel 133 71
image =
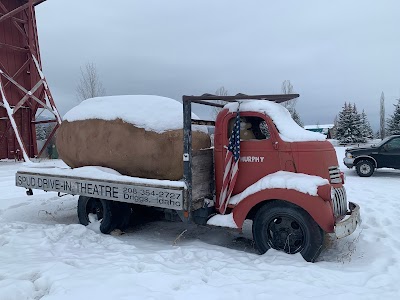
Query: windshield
pixel 381 142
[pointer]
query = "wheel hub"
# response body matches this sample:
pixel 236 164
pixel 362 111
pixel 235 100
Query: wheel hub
pixel 285 234
pixel 365 169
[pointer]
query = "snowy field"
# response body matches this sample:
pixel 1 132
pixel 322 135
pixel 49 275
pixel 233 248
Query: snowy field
pixel 45 254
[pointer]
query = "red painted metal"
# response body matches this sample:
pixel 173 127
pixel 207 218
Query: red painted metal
pixel 313 158
pixel 319 209
pixel 21 78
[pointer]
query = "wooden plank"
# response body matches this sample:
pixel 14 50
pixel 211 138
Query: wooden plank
pixel 44 121
pixel 208 103
pixel 27 96
pixel 202 177
pixel 18 9
pixel 19 71
pixel 276 98
pixel 2 45
pixel 203 122
pixel 13 12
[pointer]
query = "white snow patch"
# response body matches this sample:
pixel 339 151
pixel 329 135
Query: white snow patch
pixel 45 254
pixel 323 126
pixel 94 223
pixel 223 221
pixel 289 130
pixel 38 67
pixel 307 184
pixel 153 113
pixel 96 172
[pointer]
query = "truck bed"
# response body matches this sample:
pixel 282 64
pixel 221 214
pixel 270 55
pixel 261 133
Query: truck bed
pixel 108 184
pixel 104 183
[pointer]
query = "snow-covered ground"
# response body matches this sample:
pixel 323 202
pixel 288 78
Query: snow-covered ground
pixel 46 254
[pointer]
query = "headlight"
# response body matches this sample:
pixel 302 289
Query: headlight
pixel 349 155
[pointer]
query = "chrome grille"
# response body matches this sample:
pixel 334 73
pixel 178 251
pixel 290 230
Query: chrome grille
pixel 334 174
pixel 339 202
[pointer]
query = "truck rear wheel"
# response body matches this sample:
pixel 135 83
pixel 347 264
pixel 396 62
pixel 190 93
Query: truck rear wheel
pixel 123 215
pixel 287 228
pixel 103 209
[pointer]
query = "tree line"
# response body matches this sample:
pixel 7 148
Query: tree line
pixel 354 127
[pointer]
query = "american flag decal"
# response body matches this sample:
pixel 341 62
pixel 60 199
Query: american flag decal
pixel 231 165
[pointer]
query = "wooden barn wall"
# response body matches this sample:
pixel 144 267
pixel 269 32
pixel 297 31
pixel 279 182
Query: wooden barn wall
pixel 12 61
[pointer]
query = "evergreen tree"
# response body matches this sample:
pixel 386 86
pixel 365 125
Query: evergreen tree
pixel 40 132
pixel 343 123
pixel 382 129
pixel 49 128
pixel 366 130
pixel 349 125
pixel 357 126
pixel 393 123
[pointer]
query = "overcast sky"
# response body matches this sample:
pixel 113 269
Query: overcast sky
pixel 331 51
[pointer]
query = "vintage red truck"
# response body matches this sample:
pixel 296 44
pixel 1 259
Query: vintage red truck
pixel 288 182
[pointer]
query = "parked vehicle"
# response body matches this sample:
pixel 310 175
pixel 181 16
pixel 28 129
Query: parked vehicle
pixel 386 154
pixel 289 183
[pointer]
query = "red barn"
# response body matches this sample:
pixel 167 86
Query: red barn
pixel 24 92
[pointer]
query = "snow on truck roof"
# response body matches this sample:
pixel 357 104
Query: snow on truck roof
pixel 289 130
pixel 153 113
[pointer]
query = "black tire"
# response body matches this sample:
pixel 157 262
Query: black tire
pixel 365 168
pixel 104 209
pixel 288 228
pixel 123 215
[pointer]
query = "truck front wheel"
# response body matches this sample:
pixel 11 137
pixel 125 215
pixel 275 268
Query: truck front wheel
pixel 102 209
pixel 365 168
pixel 287 228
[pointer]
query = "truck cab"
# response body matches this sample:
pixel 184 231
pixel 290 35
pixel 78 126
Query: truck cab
pixel 278 160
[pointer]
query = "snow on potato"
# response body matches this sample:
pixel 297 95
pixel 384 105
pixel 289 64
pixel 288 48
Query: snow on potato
pixel 139 136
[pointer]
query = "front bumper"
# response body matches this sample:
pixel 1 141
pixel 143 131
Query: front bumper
pixel 349 162
pixel 350 223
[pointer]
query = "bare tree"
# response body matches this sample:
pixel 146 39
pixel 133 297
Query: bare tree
pixel 382 117
pixel 89 84
pixel 287 88
pixel 220 92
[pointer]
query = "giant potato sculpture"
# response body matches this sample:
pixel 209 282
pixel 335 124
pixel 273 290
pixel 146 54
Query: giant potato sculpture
pixel 139 136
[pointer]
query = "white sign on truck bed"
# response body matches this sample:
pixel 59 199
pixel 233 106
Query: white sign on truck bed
pixel 150 192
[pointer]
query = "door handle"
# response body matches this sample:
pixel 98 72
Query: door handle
pixel 276 145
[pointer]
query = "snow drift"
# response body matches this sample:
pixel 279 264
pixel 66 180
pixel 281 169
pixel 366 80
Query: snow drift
pixel 139 136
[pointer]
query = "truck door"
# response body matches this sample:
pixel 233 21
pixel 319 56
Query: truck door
pixel 390 153
pixel 258 157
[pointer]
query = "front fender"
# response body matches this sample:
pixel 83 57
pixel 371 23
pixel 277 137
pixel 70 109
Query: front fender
pixel 361 157
pixel 319 209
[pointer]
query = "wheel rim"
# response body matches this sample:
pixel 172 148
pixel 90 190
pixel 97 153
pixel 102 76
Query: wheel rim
pixel 365 168
pixel 95 207
pixel 285 234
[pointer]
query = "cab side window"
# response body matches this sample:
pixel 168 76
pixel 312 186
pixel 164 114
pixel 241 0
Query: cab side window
pixel 393 145
pixel 251 128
